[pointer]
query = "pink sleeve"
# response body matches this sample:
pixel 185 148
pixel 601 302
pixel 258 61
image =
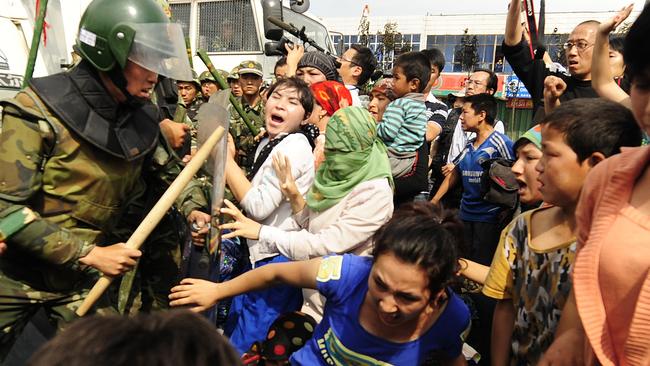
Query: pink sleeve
pixel 588 203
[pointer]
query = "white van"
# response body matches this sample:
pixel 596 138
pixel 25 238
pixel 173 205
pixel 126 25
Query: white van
pixel 207 24
pixel 17 29
pixel 232 31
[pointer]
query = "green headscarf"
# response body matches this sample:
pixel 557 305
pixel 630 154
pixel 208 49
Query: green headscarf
pixel 353 154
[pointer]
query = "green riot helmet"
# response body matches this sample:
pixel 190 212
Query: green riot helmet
pixel 114 31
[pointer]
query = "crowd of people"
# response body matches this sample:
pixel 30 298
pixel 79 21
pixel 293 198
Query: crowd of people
pixel 366 222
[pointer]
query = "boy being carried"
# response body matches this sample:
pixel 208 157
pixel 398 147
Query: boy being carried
pixel 404 123
pixel 530 272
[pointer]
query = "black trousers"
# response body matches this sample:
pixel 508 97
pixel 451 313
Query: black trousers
pixel 481 240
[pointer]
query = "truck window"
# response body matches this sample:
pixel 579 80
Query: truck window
pixel 181 15
pixel 313 29
pixel 227 26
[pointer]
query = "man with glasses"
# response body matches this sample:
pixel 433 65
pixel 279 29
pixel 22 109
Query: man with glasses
pixel 355 67
pixel 533 71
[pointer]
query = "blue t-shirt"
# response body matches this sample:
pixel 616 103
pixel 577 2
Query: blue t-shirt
pixel 340 339
pixel 472 205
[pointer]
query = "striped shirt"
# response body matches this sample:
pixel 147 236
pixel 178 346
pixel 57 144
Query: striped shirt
pixel 404 123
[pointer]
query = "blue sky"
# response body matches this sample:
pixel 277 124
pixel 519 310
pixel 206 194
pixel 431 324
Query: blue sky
pixel 352 8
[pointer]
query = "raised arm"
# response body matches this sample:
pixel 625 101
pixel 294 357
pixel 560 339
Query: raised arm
pixel 601 76
pixel 294 54
pixel 204 294
pixel 514 30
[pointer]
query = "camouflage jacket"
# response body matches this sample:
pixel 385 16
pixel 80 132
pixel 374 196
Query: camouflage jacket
pixel 77 191
pixel 244 138
pixel 193 108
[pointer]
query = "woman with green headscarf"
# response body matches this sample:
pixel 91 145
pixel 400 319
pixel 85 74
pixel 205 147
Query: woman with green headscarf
pixel 351 198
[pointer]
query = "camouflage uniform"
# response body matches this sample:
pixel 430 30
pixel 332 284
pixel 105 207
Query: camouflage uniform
pixel 244 138
pixel 77 190
pixel 158 268
pixel 191 111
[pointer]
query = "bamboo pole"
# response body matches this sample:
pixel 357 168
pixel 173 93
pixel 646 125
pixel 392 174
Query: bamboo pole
pixel 36 41
pixel 156 214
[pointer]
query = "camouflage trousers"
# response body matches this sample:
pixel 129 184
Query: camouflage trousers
pixel 156 273
pixel 19 302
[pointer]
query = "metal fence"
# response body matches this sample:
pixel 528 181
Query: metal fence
pixel 227 26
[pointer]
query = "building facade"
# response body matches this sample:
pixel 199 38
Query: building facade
pixel 448 33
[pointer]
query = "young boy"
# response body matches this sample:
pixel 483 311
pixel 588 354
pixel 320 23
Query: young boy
pixel 480 218
pixel 405 120
pixel 530 272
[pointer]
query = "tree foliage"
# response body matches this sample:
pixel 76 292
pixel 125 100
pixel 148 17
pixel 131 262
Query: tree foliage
pixel 364 29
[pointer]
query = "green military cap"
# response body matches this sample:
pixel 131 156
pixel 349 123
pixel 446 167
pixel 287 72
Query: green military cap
pixel 206 76
pixel 224 74
pixel 195 80
pixel 251 67
pixel 234 74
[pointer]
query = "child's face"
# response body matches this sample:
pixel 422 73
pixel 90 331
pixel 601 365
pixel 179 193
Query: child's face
pixel 528 156
pixel 560 174
pixel 469 119
pixel 401 86
pixel 283 111
pixel 398 291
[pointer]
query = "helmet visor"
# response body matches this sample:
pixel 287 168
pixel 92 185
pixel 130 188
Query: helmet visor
pixel 160 47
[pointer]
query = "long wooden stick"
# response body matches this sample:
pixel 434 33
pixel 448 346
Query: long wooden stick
pixel 156 214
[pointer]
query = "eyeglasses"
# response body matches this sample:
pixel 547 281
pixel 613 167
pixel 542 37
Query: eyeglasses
pixel 580 45
pixel 341 58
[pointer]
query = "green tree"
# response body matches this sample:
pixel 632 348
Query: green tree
pixel 364 28
pixel 391 44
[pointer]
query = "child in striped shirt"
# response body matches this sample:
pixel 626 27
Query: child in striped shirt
pixel 404 123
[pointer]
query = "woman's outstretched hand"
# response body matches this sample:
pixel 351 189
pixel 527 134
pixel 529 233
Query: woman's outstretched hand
pixel 191 291
pixel 242 226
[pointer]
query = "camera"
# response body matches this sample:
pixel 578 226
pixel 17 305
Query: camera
pixel 277 48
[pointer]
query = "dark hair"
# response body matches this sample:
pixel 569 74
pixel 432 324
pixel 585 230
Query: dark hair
pixel 436 58
pixel 425 235
pixel 484 102
pixel 594 125
pixel 617 43
pixel 493 80
pixel 176 337
pixel 365 59
pixel 637 56
pixel 280 62
pixel 304 93
pixel 415 65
